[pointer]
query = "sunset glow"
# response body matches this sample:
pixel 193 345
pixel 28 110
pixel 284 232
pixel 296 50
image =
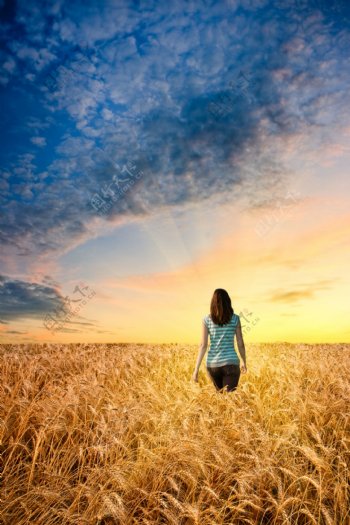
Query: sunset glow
pixel 238 181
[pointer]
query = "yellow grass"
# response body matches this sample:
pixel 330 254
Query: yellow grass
pixel 118 434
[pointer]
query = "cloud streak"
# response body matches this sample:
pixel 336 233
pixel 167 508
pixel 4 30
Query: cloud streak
pixel 305 292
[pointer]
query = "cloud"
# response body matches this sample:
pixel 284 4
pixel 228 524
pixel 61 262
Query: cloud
pixel 114 84
pixel 29 300
pixel 305 292
pixel 70 330
pixel 292 296
pixel 39 141
pixel 15 332
pixel 25 300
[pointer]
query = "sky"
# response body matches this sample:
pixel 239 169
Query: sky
pixel 154 151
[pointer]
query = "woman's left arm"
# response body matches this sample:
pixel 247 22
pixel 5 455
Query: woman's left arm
pixel 202 349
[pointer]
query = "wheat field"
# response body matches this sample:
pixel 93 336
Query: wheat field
pixel 119 434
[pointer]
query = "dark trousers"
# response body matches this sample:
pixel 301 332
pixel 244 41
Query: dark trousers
pixel 225 376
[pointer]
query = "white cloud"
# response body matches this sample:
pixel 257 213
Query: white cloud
pixel 39 141
pixel 107 114
pixel 9 65
pixel 150 91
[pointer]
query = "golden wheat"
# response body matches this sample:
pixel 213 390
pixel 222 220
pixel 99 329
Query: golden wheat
pixel 120 435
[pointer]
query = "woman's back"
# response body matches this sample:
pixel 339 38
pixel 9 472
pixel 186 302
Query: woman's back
pixel 221 351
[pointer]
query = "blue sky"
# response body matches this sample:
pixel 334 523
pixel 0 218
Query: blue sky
pixel 191 101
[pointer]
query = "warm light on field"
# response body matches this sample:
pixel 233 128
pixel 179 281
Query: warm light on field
pixel 118 434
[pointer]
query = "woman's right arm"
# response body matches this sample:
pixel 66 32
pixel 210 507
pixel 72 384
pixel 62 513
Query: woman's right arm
pixel 240 343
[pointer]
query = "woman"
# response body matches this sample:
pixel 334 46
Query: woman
pixel 223 364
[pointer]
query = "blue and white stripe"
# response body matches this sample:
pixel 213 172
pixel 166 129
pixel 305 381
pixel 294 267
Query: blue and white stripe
pixel 221 350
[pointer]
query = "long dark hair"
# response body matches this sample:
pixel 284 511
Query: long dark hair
pixel 221 311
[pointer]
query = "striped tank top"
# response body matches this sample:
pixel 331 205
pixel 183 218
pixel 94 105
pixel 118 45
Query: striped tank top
pixel 221 350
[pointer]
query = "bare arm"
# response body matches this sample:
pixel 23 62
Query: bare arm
pixel 240 342
pixel 202 348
